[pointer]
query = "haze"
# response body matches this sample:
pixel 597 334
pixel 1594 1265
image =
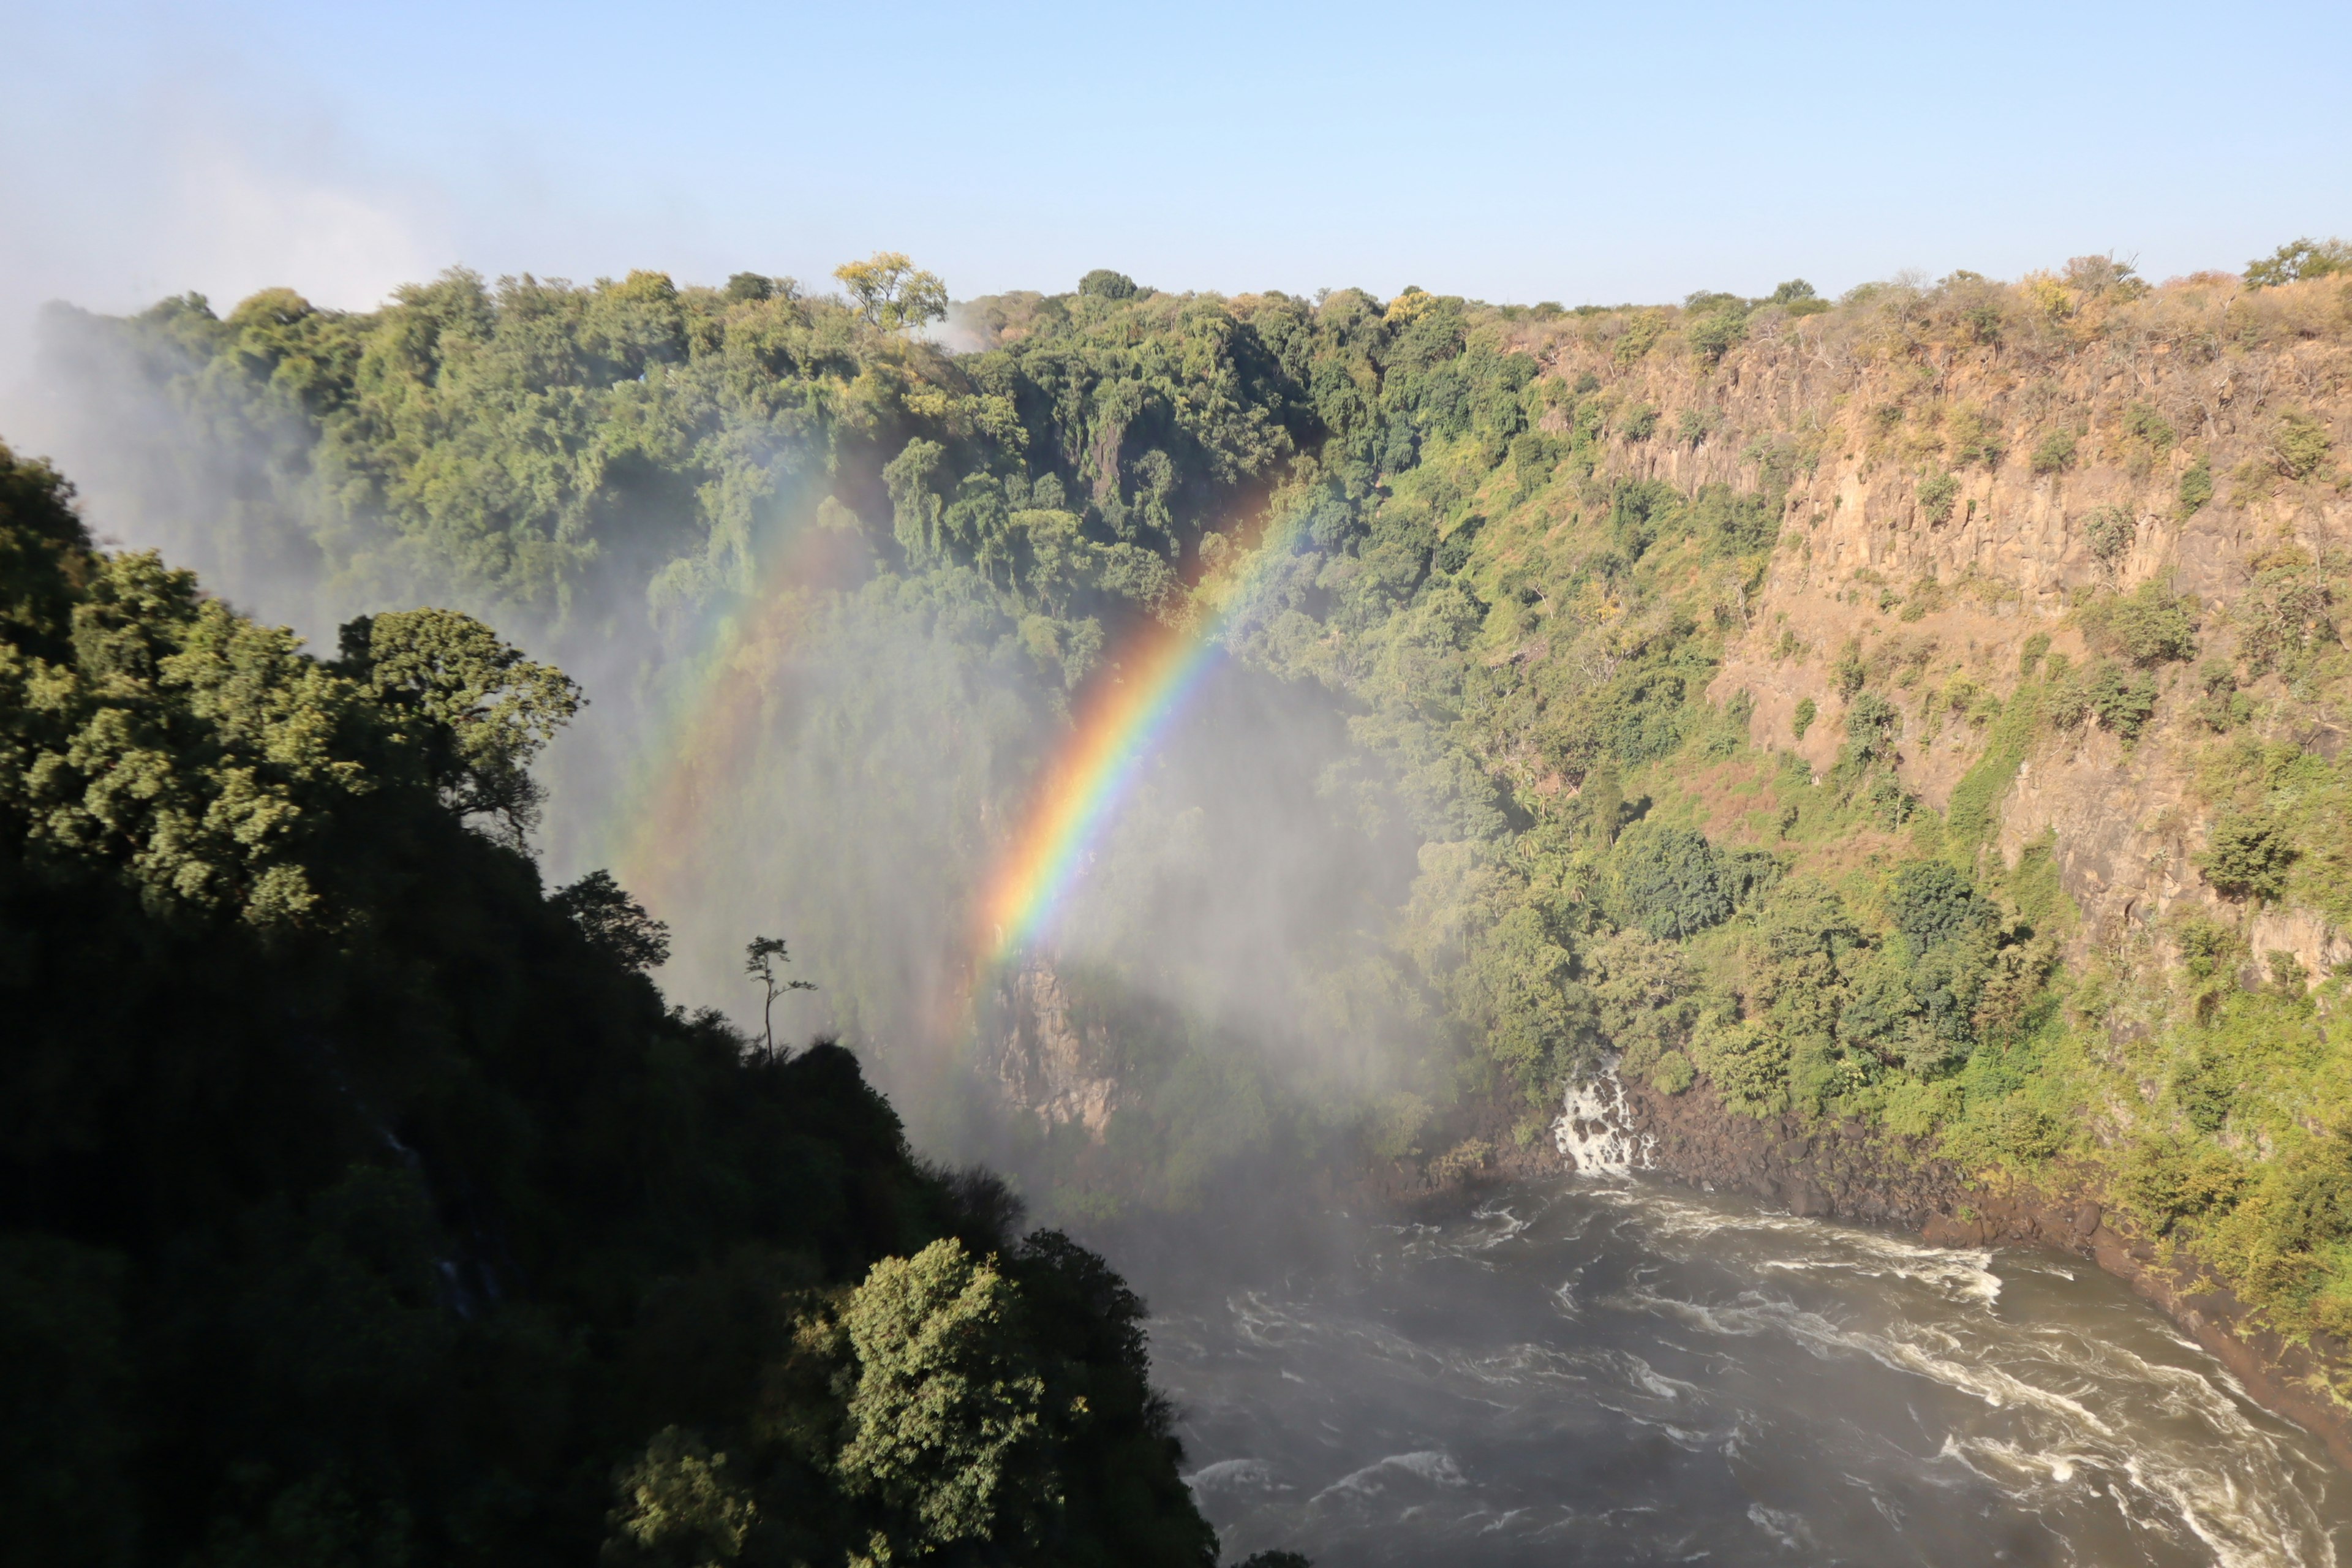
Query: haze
pixel 1507 152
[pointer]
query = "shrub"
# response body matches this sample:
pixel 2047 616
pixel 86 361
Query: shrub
pixel 1643 331
pixel 2201 1087
pixel 2223 707
pixel 1933 901
pixel 2196 487
pixel 2247 855
pixel 2205 945
pixel 2299 445
pixel 1747 1062
pixel 2108 531
pixel 1976 437
pixel 2054 453
pixel 1890 803
pixel 1693 426
pixel 2031 654
pixel 1453 551
pixel 1713 335
pixel 1936 493
pixel 2124 700
pixel 1873 725
pixel 1672 1073
pixel 2025 1132
pixel 1669 884
pixel 2142 422
pixel 2169 1178
pixel 2150 626
pixel 1638 423
pixel 1980 322
pixel 1848 672
pixel 1927 598
pixel 1806 711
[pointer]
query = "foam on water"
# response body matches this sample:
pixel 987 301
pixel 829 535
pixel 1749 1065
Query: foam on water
pixel 1594 1133
pixel 1608 1373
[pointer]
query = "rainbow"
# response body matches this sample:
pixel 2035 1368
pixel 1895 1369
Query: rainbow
pixel 1114 732
pixel 707 735
pixel 655 831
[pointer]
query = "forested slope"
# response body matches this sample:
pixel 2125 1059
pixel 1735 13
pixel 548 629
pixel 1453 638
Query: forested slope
pixel 1920 709
pixel 364 1204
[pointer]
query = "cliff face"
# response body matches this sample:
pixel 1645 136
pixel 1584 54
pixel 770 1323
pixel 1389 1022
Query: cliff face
pixel 1046 1065
pixel 1946 506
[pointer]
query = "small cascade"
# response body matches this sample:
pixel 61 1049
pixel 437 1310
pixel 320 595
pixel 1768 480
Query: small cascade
pixel 1595 1132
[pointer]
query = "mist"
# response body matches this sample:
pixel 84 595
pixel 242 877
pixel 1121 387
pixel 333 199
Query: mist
pixel 799 744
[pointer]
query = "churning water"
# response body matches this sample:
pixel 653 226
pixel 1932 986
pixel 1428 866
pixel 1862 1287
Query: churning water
pixel 1583 1373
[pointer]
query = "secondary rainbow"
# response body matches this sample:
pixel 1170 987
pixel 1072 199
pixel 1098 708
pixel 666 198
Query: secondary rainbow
pixel 1117 729
pixel 707 743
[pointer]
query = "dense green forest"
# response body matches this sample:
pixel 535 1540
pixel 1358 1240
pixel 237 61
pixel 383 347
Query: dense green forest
pixel 1515 548
pixel 364 1204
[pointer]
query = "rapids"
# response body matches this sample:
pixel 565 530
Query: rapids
pixel 1613 1372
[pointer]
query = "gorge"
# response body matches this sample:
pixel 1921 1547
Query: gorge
pixel 1877 759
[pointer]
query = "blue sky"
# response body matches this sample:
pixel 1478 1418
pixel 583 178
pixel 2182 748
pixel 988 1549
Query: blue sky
pixel 1509 152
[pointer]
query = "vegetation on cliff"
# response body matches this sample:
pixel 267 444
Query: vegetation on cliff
pixel 364 1202
pixel 1759 677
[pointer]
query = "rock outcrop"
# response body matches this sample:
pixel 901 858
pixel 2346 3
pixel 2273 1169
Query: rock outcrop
pixel 1046 1063
pixel 1931 525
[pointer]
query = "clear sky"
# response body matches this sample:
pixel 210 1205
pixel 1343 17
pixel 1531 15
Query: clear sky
pixel 1509 151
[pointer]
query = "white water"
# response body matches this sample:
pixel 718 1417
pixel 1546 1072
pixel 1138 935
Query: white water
pixel 1607 1372
pixel 1594 1133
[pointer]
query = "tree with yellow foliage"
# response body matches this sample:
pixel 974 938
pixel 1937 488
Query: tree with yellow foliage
pixel 892 292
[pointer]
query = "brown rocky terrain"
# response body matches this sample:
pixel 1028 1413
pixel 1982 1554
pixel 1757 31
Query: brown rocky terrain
pixel 1045 1065
pixel 1932 526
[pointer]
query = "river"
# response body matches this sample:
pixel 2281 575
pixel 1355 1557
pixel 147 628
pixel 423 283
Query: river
pixel 1618 1371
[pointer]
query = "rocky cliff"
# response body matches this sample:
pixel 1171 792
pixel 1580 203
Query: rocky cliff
pixel 1044 1064
pixel 1951 506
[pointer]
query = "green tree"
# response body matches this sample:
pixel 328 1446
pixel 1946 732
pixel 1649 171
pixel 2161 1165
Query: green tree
pixel 614 922
pixel 945 1421
pixel 2054 453
pixel 762 954
pixel 1933 902
pixel 2247 855
pixel 479 708
pixel 680 1508
pixel 1669 882
pixel 2298 260
pixel 2150 626
pixel 892 292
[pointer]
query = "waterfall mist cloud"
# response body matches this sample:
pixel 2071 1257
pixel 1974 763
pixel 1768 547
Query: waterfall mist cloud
pixel 183 168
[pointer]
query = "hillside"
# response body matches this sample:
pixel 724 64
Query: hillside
pixel 1916 713
pixel 364 1202
pixel 2052 607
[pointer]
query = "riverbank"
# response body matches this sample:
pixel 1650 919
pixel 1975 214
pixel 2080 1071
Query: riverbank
pixel 1844 1170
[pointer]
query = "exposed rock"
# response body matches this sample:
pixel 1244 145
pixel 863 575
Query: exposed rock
pixel 1047 1066
pixel 1959 595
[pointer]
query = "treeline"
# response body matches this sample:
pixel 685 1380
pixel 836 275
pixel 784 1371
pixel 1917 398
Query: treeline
pixel 361 1202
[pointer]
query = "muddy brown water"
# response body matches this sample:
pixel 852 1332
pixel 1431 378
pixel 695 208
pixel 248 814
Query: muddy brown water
pixel 1617 1372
